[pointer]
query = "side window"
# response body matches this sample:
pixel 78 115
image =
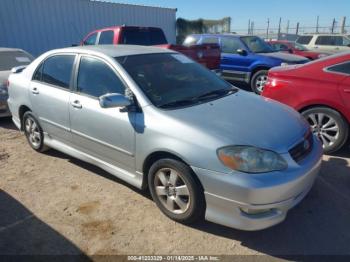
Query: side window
pixel 283 47
pixel 341 68
pixel 38 73
pixel 57 70
pixel 230 45
pixel 324 40
pixel 96 78
pixel 304 40
pixel 210 40
pixel 91 40
pixel 346 41
pixel 106 38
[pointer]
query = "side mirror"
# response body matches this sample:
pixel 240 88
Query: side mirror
pixel 242 52
pixel 114 100
pixel 290 51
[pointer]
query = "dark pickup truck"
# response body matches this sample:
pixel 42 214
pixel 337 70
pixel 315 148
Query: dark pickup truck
pixel 205 54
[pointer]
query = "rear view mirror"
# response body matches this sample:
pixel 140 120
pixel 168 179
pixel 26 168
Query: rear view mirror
pixel 114 100
pixel 242 52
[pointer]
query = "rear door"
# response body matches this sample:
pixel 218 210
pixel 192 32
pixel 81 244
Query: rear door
pixel 105 133
pixel 235 66
pixel 50 92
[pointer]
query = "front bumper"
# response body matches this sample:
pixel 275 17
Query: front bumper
pixel 4 110
pixel 228 196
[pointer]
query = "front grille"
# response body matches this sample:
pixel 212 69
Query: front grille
pixel 301 150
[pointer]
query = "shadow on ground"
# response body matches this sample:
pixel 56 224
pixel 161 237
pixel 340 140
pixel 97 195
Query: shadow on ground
pixel 7 123
pixel 319 225
pixel 22 233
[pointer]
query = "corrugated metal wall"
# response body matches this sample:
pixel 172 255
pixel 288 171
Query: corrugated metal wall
pixel 40 25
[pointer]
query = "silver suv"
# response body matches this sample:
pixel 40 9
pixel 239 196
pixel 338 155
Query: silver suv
pixel 158 120
pixel 330 43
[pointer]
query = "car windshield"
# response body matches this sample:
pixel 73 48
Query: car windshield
pixel 172 80
pixel 300 47
pixel 10 59
pixel 257 45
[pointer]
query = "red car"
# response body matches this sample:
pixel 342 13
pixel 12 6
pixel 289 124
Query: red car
pixel 320 91
pixel 208 55
pixel 295 48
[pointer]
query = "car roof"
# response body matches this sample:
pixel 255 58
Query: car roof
pixel 221 35
pixel 325 34
pixel 116 50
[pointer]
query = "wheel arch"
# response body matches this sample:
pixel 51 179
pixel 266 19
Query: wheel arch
pixel 341 112
pixel 158 155
pixel 21 111
pixel 258 68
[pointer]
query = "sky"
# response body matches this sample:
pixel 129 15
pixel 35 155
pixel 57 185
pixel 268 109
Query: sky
pixel 303 11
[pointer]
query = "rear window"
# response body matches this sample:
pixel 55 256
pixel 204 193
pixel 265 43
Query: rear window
pixel 10 59
pixel 191 40
pixel 304 40
pixel 341 68
pixel 143 36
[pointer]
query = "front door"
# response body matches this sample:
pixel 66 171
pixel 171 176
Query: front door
pixel 104 133
pixel 235 66
pixel 49 95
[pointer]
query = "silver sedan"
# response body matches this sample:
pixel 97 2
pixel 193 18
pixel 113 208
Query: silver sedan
pixel 158 120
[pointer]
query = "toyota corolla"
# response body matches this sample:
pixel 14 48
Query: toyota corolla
pixel 158 120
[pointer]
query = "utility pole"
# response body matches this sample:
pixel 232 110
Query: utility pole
pixel 249 27
pixel 252 28
pixel 317 23
pixel 268 28
pixel 333 26
pixel 287 29
pixel 342 26
pixel 279 28
pixel 297 30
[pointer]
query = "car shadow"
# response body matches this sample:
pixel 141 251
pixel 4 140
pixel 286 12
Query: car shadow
pixel 98 171
pixel 22 233
pixel 6 122
pixel 319 225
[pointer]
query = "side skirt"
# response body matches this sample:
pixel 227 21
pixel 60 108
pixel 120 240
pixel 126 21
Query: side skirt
pixel 133 179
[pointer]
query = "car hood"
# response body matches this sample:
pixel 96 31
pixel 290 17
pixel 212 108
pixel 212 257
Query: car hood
pixel 241 119
pixel 286 57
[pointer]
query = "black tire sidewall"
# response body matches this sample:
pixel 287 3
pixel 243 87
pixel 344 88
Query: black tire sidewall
pixel 343 126
pixel 197 203
pixel 41 146
pixel 253 80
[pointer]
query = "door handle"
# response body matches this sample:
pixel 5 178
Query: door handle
pixel 35 91
pixel 76 104
pixel 347 90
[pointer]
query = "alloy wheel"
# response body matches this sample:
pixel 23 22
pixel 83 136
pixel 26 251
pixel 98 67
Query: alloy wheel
pixel 260 83
pixel 325 127
pixel 172 191
pixel 33 132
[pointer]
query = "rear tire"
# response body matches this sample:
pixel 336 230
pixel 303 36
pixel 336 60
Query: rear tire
pixel 33 132
pixel 175 191
pixel 330 127
pixel 258 81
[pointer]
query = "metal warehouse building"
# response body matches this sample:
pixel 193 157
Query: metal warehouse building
pixel 40 25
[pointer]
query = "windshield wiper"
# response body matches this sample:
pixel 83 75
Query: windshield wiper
pixel 216 93
pixel 178 103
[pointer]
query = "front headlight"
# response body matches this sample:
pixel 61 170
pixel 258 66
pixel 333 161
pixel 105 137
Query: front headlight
pixel 250 159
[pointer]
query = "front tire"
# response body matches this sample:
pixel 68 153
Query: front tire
pixel 175 191
pixel 329 125
pixel 258 81
pixel 33 132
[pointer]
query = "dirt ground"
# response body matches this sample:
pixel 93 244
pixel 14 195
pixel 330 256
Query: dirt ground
pixel 53 204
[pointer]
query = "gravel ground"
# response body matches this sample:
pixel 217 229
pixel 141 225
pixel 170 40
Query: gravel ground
pixel 54 204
